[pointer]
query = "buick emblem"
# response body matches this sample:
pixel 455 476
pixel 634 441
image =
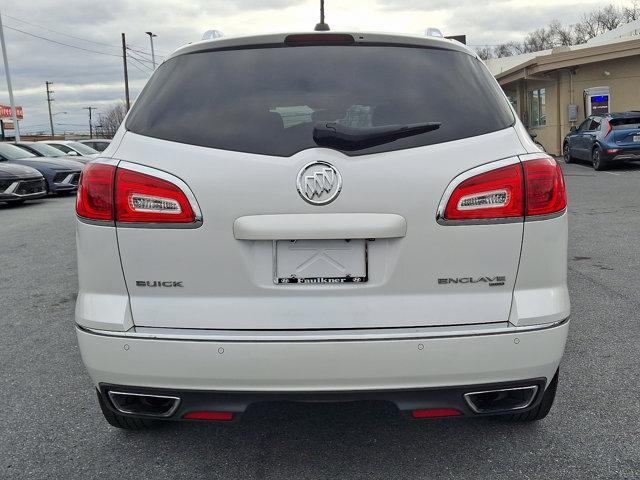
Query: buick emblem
pixel 319 183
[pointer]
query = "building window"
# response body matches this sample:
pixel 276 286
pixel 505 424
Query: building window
pixel 537 102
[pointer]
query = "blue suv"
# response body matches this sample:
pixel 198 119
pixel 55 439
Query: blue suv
pixel 604 139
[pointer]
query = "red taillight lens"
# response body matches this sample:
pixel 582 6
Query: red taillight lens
pixel 214 416
pixel 533 187
pixel 545 188
pixel 144 198
pixel 435 413
pixel 108 193
pixel 95 192
pixel 494 194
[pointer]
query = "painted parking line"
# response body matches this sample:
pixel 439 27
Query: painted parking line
pixel 611 173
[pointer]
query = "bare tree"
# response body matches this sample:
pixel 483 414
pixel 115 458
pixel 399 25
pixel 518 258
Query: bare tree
pixel 631 13
pixel 508 49
pixel 555 34
pixel 110 120
pixel 560 35
pixel 539 39
pixel 485 53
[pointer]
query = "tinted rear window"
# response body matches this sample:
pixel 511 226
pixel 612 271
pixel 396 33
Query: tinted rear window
pixel 625 123
pixel 266 100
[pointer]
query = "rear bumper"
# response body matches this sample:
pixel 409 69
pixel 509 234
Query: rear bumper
pixel 443 398
pixel 625 153
pixel 322 366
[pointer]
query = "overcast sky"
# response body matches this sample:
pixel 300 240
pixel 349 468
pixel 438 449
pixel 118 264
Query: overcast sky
pixel 94 78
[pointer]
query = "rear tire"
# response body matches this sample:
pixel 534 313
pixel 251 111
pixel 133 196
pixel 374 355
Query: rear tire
pixel 543 407
pixel 596 159
pixel 122 421
pixel 566 153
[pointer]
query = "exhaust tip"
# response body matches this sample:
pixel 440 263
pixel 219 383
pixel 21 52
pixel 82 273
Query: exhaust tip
pixel 502 400
pixel 144 404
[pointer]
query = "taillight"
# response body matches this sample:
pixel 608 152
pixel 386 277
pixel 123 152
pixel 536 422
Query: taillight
pixel 494 194
pixel 107 193
pixel 145 198
pixel 544 185
pixel 95 192
pixel 528 188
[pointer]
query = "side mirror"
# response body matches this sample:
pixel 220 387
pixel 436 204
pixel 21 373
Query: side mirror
pixel 573 129
pixel 73 153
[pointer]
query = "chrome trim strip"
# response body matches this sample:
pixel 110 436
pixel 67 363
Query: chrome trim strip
pixel 519 407
pixel 480 221
pixel 352 335
pixel 100 223
pixel 505 162
pixel 167 225
pixel 535 156
pixel 549 216
pixel 12 188
pixel 170 412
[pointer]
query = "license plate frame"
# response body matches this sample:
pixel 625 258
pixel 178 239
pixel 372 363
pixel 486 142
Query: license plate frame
pixel 357 270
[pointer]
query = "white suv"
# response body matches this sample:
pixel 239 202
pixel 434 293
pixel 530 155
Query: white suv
pixel 322 217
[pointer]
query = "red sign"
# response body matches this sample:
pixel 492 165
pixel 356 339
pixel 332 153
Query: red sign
pixel 7 125
pixel 5 112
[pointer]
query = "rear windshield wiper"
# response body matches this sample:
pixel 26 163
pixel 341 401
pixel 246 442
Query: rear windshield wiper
pixel 342 137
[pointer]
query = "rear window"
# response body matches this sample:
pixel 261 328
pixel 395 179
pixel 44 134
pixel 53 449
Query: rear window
pixel 267 100
pixel 625 123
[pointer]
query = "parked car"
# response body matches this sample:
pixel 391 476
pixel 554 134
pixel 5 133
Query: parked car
pixel 41 149
pixel 61 175
pixel 404 244
pixel 99 144
pixel 19 183
pixel 73 148
pixel 604 139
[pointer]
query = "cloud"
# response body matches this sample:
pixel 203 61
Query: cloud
pixel 95 77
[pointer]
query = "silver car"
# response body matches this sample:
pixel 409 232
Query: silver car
pixel 322 217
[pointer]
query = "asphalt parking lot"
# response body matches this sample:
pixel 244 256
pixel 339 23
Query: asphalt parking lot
pixel 51 426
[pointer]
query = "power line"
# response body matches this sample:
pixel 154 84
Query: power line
pixel 136 59
pixel 78 38
pixel 146 72
pixel 143 52
pixel 61 33
pixel 61 43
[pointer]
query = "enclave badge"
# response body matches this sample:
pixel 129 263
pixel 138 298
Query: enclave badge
pixel 319 183
pixel 496 281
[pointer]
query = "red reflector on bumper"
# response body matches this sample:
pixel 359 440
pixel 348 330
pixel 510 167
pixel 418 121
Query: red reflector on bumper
pixel 435 413
pixel 214 416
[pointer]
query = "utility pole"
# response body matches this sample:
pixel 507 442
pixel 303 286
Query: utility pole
pixel 90 121
pixel 49 100
pixel 14 113
pixel 126 73
pixel 153 53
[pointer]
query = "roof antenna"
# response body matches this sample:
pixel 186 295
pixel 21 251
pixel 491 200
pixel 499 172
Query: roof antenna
pixel 321 27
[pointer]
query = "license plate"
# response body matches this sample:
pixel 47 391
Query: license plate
pixel 636 138
pixel 320 261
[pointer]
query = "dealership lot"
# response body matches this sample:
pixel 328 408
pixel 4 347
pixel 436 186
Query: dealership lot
pixel 52 426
